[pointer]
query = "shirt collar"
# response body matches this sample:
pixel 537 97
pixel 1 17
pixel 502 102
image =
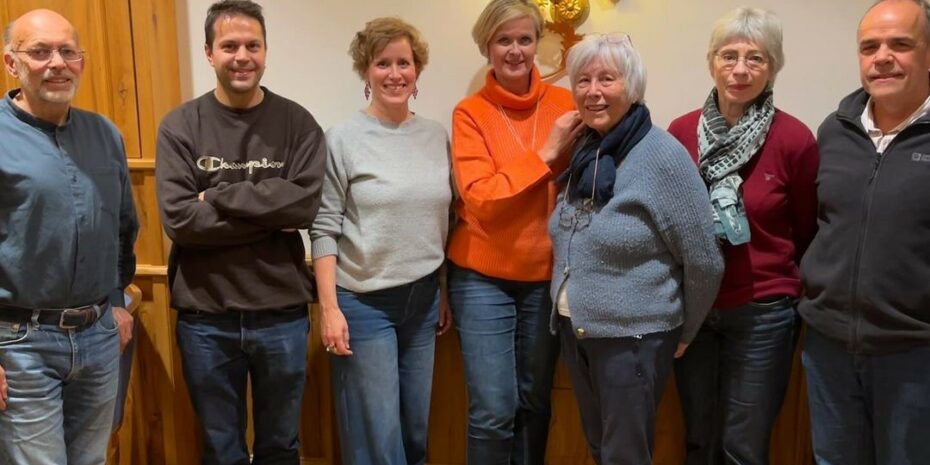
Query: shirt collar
pixel 29 119
pixel 868 119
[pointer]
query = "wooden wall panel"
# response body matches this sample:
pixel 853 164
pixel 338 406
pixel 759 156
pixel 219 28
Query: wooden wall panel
pixel 108 83
pixel 155 48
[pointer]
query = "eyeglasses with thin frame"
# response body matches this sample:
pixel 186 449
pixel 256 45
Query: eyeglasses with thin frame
pixel 580 217
pixel 754 60
pixel 43 55
pixel 617 38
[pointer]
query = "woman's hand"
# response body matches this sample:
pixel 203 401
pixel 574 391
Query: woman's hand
pixel 562 137
pixel 445 313
pixel 681 350
pixel 334 331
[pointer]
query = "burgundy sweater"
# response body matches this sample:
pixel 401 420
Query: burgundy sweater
pixel 780 195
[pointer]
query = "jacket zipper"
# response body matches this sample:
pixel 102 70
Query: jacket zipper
pixel 856 327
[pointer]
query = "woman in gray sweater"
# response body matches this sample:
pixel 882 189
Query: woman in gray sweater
pixel 636 263
pixel 378 243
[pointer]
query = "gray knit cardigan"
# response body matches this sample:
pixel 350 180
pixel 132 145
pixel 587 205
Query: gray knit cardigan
pixel 647 261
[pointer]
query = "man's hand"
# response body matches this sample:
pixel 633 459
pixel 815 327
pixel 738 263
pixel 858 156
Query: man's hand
pixel 681 350
pixel 3 389
pixel 200 196
pixel 124 323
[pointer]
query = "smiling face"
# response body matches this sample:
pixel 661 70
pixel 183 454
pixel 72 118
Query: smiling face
pixel 47 87
pixel 237 55
pixel 738 84
pixel 600 96
pixel 512 51
pixel 392 75
pixel 894 56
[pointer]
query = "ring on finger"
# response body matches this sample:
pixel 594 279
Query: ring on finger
pixel 330 348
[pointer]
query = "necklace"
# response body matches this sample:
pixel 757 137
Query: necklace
pixel 589 201
pixel 513 132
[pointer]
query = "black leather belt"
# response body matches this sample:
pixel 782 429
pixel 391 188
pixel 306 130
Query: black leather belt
pixel 65 318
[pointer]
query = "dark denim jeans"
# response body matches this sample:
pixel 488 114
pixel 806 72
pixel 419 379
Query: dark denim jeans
pixel 62 389
pixel 867 409
pixel 509 357
pixel 382 391
pixel 618 383
pixel 732 382
pixel 219 353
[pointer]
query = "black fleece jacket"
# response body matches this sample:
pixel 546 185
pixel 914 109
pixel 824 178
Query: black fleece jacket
pixel 867 272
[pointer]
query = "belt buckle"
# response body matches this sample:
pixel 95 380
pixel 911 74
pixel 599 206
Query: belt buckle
pixel 66 312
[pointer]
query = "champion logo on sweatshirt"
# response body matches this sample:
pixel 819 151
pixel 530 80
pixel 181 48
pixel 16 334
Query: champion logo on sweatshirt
pixel 916 156
pixel 211 164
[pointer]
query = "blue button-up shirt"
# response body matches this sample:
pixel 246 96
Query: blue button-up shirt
pixel 67 221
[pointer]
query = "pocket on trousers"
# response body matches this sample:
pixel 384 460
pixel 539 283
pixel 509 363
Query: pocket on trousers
pixel 12 333
pixel 106 322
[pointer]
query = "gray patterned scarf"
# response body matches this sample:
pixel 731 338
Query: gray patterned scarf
pixel 722 152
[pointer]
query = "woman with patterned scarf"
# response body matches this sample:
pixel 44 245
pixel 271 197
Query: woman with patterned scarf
pixel 760 166
pixel 636 263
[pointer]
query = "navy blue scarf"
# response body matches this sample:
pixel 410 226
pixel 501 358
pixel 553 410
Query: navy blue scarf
pixel 617 144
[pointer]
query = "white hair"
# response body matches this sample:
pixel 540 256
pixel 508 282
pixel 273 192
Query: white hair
pixel 754 25
pixel 612 51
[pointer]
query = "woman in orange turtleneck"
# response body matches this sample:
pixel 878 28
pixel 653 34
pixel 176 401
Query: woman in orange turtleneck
pixel 509 142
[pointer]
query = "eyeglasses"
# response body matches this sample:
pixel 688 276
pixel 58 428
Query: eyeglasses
pixel 44 55
pixel 754 61
pixel 580 216
pixel 616 38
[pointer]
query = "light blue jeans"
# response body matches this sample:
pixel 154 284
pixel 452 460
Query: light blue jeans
pixel 382 391
pixel 62 390
pixel 509 357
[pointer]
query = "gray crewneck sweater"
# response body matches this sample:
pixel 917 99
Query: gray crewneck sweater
pixel 386 197
pixel 647 261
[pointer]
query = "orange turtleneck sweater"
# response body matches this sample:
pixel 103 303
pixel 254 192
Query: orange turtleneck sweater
pixel 506 192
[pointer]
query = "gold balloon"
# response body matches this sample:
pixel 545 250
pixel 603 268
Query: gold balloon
pixel 569 11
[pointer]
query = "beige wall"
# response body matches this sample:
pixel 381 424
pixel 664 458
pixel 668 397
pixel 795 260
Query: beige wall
pixel 308 39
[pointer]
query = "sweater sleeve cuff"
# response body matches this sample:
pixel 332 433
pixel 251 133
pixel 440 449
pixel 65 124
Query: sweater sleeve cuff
pixel 323 246
pixel 527 169
pixel 116 298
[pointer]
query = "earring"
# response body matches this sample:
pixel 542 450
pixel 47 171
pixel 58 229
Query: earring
pixel 367 90
pixel 416 90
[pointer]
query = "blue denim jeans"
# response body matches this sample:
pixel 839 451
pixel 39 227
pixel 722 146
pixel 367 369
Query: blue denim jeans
pixel 867 409
pixel 219 353
pixel 618 383
pixel 732 382
pixel 62 389
pixel 382 391
pixel 509 357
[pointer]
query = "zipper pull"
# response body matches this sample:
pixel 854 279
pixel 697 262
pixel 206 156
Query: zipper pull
pixel 878 161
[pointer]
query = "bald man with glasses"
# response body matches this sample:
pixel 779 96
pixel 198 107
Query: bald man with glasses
pixel 67 229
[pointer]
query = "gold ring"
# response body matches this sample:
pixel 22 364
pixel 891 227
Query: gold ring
pixel 330 348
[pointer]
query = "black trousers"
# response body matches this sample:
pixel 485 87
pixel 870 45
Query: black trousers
pixel 618 383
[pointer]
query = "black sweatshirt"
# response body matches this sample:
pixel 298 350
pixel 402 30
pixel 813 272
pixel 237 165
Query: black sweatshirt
pixel 260 171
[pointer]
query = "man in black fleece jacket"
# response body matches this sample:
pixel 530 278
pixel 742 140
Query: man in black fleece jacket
pixel 867 272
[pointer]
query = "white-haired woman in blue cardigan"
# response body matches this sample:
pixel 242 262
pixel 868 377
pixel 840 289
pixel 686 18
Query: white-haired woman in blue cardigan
pixel 636 263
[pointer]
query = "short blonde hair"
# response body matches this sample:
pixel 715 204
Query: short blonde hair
pixel 754 25
pixel 378 33
pixel 499 12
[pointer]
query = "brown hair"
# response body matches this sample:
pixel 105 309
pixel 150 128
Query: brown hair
pixel 378 33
